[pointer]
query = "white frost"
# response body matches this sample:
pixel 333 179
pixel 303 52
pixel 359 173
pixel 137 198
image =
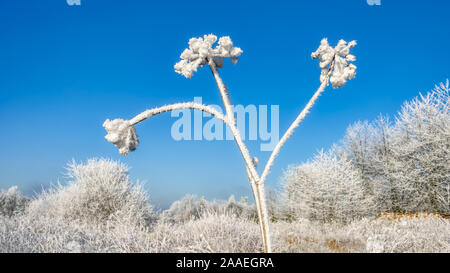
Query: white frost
pixel 335 62
pixel 200 50
pixel 122 134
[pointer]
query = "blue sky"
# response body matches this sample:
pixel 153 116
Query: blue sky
pixel 65 69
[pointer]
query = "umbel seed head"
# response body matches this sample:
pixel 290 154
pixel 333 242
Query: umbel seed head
pixel 122 134
pixel 200 51
pixel 334 62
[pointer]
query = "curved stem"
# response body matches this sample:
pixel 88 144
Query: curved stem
pixel 291 129
pixel 204 108
pixel 257 188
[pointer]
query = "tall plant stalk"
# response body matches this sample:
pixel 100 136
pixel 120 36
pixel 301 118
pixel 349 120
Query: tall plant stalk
pixel 335 69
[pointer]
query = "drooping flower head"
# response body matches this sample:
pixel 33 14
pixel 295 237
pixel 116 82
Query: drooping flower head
pixel 122 134
pixel 334 62
pixel 200 51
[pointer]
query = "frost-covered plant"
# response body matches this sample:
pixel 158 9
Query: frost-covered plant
pixel 192 208
pixel 12 202
pixel 99 194
pixel 422 151
pixel 326 189
pixel 122 134
pixel 402 165
pixel 185 209
pixel 418 234
pixel 334 62
pixel 405 163
pixel 200 52
pixel 335 68
pixel 226 233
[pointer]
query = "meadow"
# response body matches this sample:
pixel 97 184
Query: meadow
pixel 383 188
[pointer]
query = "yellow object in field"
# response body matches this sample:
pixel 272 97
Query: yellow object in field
pixel 397 216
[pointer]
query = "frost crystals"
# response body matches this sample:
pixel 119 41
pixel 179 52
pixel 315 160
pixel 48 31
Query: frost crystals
pixel 200 50
pixel 122 134
pixel 334 62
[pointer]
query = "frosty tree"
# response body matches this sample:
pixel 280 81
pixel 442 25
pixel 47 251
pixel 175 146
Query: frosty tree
pixel 401 165
pixel 336 69
pixel 326 189
pixel 422 151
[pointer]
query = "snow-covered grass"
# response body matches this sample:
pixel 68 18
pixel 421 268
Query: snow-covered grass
pixel 421 234
pixel 227 233
pixel 100 210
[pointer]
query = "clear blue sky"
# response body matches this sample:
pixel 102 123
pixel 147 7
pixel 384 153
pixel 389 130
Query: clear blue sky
pixel 65 69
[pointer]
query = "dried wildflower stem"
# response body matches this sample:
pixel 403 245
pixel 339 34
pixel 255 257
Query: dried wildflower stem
pixel 333 62
pixel 199 53
pixel 257 188
pixel 223 90
pixel 260 198
pixel 291 129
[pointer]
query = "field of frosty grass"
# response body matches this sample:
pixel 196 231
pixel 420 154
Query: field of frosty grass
pixel 118 219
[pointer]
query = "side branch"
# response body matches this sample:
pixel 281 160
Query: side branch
pixel 291 129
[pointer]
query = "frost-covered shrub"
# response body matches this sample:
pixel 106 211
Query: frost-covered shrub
pixel 25 234
pixel 402 166
pixel 100 193
pixel 422 151
pixel 422 233
pixel 304 236
pixel 185 209
pixel 192 208
pixel 211 233
pixel 326 189
pixel 240 209
pixel 12 202
pixel 369 146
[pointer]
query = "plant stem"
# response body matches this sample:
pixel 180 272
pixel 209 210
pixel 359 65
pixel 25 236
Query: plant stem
pixel 259 197
pixel 291 129
pixel 264 217
pixel 257 188
pixel 223 90
pixel 253 177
